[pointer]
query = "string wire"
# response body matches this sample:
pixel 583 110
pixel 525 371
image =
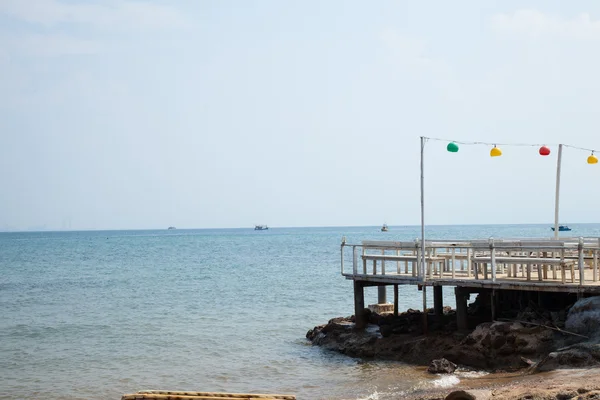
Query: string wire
pixel 475 143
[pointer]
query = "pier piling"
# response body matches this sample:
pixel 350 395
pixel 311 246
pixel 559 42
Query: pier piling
pixel 438 302
pixel 359 305
pixel 381 295
pixel 461 308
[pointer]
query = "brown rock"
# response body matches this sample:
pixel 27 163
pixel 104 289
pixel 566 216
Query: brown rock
pixel 470 395
pixel 441 366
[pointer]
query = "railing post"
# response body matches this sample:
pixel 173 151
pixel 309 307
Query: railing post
pixel 453 262
pixel 581 264
pixel 596 264
pixel 493 257
pixel 342 254
pixel 469 264
pixel 354 260
pixel 418 263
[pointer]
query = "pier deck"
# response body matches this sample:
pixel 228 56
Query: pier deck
pixel 566 265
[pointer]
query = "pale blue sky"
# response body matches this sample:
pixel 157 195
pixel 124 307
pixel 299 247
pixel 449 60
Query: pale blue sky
pixel 199 114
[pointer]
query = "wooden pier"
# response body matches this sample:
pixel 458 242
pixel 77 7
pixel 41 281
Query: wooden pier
pixel 566 265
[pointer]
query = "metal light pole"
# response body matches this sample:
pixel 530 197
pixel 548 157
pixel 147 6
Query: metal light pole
pixel 422 211
pixel 557 195
pixel 423 267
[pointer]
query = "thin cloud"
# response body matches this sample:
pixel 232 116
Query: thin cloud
pixel 536 24
pixel 49 45
pixel 109 15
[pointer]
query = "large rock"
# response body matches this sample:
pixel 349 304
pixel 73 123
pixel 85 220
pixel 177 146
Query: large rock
pixel 500 345
pixel 441 366
pixel 576 356
pixel 584 317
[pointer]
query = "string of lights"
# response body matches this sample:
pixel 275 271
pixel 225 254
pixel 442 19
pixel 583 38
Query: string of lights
pixel 544 149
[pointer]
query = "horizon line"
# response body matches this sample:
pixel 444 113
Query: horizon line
pixel 280 227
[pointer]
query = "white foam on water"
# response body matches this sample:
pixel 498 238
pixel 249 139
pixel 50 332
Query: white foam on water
pixel 372 396
pixel 446 381
pixel 471 374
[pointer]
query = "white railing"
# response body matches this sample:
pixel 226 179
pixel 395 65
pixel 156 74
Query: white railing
pixel 485 260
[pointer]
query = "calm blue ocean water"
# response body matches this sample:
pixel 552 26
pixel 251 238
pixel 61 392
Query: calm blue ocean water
pixel 94 315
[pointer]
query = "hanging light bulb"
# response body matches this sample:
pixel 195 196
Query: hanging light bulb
pixel 495 152
pixel 452 147
pixel 592 159
pixel 544 151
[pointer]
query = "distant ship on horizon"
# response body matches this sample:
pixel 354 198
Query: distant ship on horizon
pixel 261 227
pixel 171 228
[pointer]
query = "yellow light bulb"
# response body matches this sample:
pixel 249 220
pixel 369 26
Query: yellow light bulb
pixel 495 152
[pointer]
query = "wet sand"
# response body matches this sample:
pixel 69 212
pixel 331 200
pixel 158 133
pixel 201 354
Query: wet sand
pixel 559 384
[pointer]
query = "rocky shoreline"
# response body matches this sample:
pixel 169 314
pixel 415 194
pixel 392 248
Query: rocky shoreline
pixel 532 341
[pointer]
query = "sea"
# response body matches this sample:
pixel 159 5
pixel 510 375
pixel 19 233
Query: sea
pixel 98 314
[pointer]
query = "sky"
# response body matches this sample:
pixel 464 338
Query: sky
pixel 217 114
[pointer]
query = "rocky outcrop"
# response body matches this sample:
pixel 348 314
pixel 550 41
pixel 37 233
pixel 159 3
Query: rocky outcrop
pixel 441 366
pixel 501 345
pixel 538 341
pixel 584 318
pixel 385 337
pixel 581 355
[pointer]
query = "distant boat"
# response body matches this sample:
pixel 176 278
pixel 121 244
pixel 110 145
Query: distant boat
pixel 171 227
pixel 384 228
pixel 562 228
pixel 260 227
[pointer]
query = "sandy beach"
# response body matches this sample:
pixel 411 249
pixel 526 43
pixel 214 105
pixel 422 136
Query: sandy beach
pixel 561 384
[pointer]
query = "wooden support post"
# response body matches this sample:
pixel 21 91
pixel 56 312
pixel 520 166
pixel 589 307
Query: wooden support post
pixel 381 295
pixel 493 304
pixel 396 300
pixel 438 302
pixel 359 305
pixel 461 308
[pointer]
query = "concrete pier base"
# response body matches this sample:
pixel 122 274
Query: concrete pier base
pixel 382 308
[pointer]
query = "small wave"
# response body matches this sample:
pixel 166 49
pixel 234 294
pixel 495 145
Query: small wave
pixel 446 381
pixel 372 396
pixel 471 374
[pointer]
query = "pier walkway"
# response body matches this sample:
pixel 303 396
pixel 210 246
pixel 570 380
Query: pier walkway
pixel 567 265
